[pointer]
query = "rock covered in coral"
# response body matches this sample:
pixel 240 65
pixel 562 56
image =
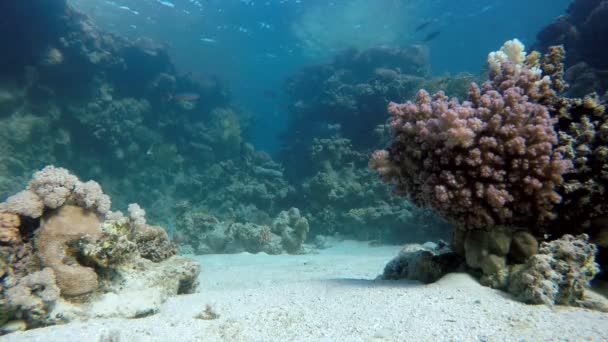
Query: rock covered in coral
pixel 559 274
pixel 292 227
pixel 57 230
pixel 203 233
pixel 144 285
pixel 426 263
pixel 57 266
pixel 491 252
pixel 34 295
pixel 515 164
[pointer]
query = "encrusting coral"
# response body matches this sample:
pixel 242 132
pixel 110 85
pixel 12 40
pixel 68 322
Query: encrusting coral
pixel 57 230
pixel 74 249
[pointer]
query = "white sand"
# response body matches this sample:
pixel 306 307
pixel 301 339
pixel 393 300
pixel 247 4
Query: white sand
pixel 333 296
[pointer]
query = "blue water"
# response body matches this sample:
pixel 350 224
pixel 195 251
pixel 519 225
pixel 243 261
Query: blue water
pixel 255 45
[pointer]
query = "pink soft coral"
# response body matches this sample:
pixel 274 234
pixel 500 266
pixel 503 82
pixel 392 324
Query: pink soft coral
pixel 486 161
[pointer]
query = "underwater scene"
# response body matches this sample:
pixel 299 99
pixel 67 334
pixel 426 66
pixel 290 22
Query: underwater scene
pixel 303 170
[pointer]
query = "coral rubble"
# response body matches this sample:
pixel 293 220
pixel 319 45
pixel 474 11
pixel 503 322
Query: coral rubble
pixel 64 258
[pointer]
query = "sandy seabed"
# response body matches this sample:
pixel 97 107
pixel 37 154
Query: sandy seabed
pixel 333 296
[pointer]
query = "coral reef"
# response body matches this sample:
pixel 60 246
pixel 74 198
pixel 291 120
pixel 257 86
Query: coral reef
pixel 252 188
pixel 202 233
pixel 64 258
pixel 516 164
pixel 582 31
pixel 343 197
pixel 344 96
pixel 333 126
pixel 119 103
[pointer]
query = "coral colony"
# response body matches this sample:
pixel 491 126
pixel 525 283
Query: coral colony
pixel 499 166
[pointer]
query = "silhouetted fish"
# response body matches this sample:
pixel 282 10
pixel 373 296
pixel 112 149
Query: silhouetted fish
pixel 431 36
pixel 422 26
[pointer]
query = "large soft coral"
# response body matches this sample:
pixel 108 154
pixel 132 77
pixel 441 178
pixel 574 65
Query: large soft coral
pixel 487 161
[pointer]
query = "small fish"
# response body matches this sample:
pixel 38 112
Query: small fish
pixel 208 40
pixel 431 36
pixel 422 26
pixel 166 3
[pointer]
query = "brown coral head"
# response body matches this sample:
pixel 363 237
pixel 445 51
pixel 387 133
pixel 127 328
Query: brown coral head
pixel 58 230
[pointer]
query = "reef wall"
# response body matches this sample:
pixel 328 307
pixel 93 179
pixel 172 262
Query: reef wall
pixel 118 111
pixel 584 33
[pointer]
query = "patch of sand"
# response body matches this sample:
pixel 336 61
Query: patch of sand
pixel 332 296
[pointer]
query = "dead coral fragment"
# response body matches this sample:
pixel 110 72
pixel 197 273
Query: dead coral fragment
pixel 59 228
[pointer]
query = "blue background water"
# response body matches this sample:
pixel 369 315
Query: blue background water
pixel 254 45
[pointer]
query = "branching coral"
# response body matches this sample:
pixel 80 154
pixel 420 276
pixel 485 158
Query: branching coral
pixel 487 161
